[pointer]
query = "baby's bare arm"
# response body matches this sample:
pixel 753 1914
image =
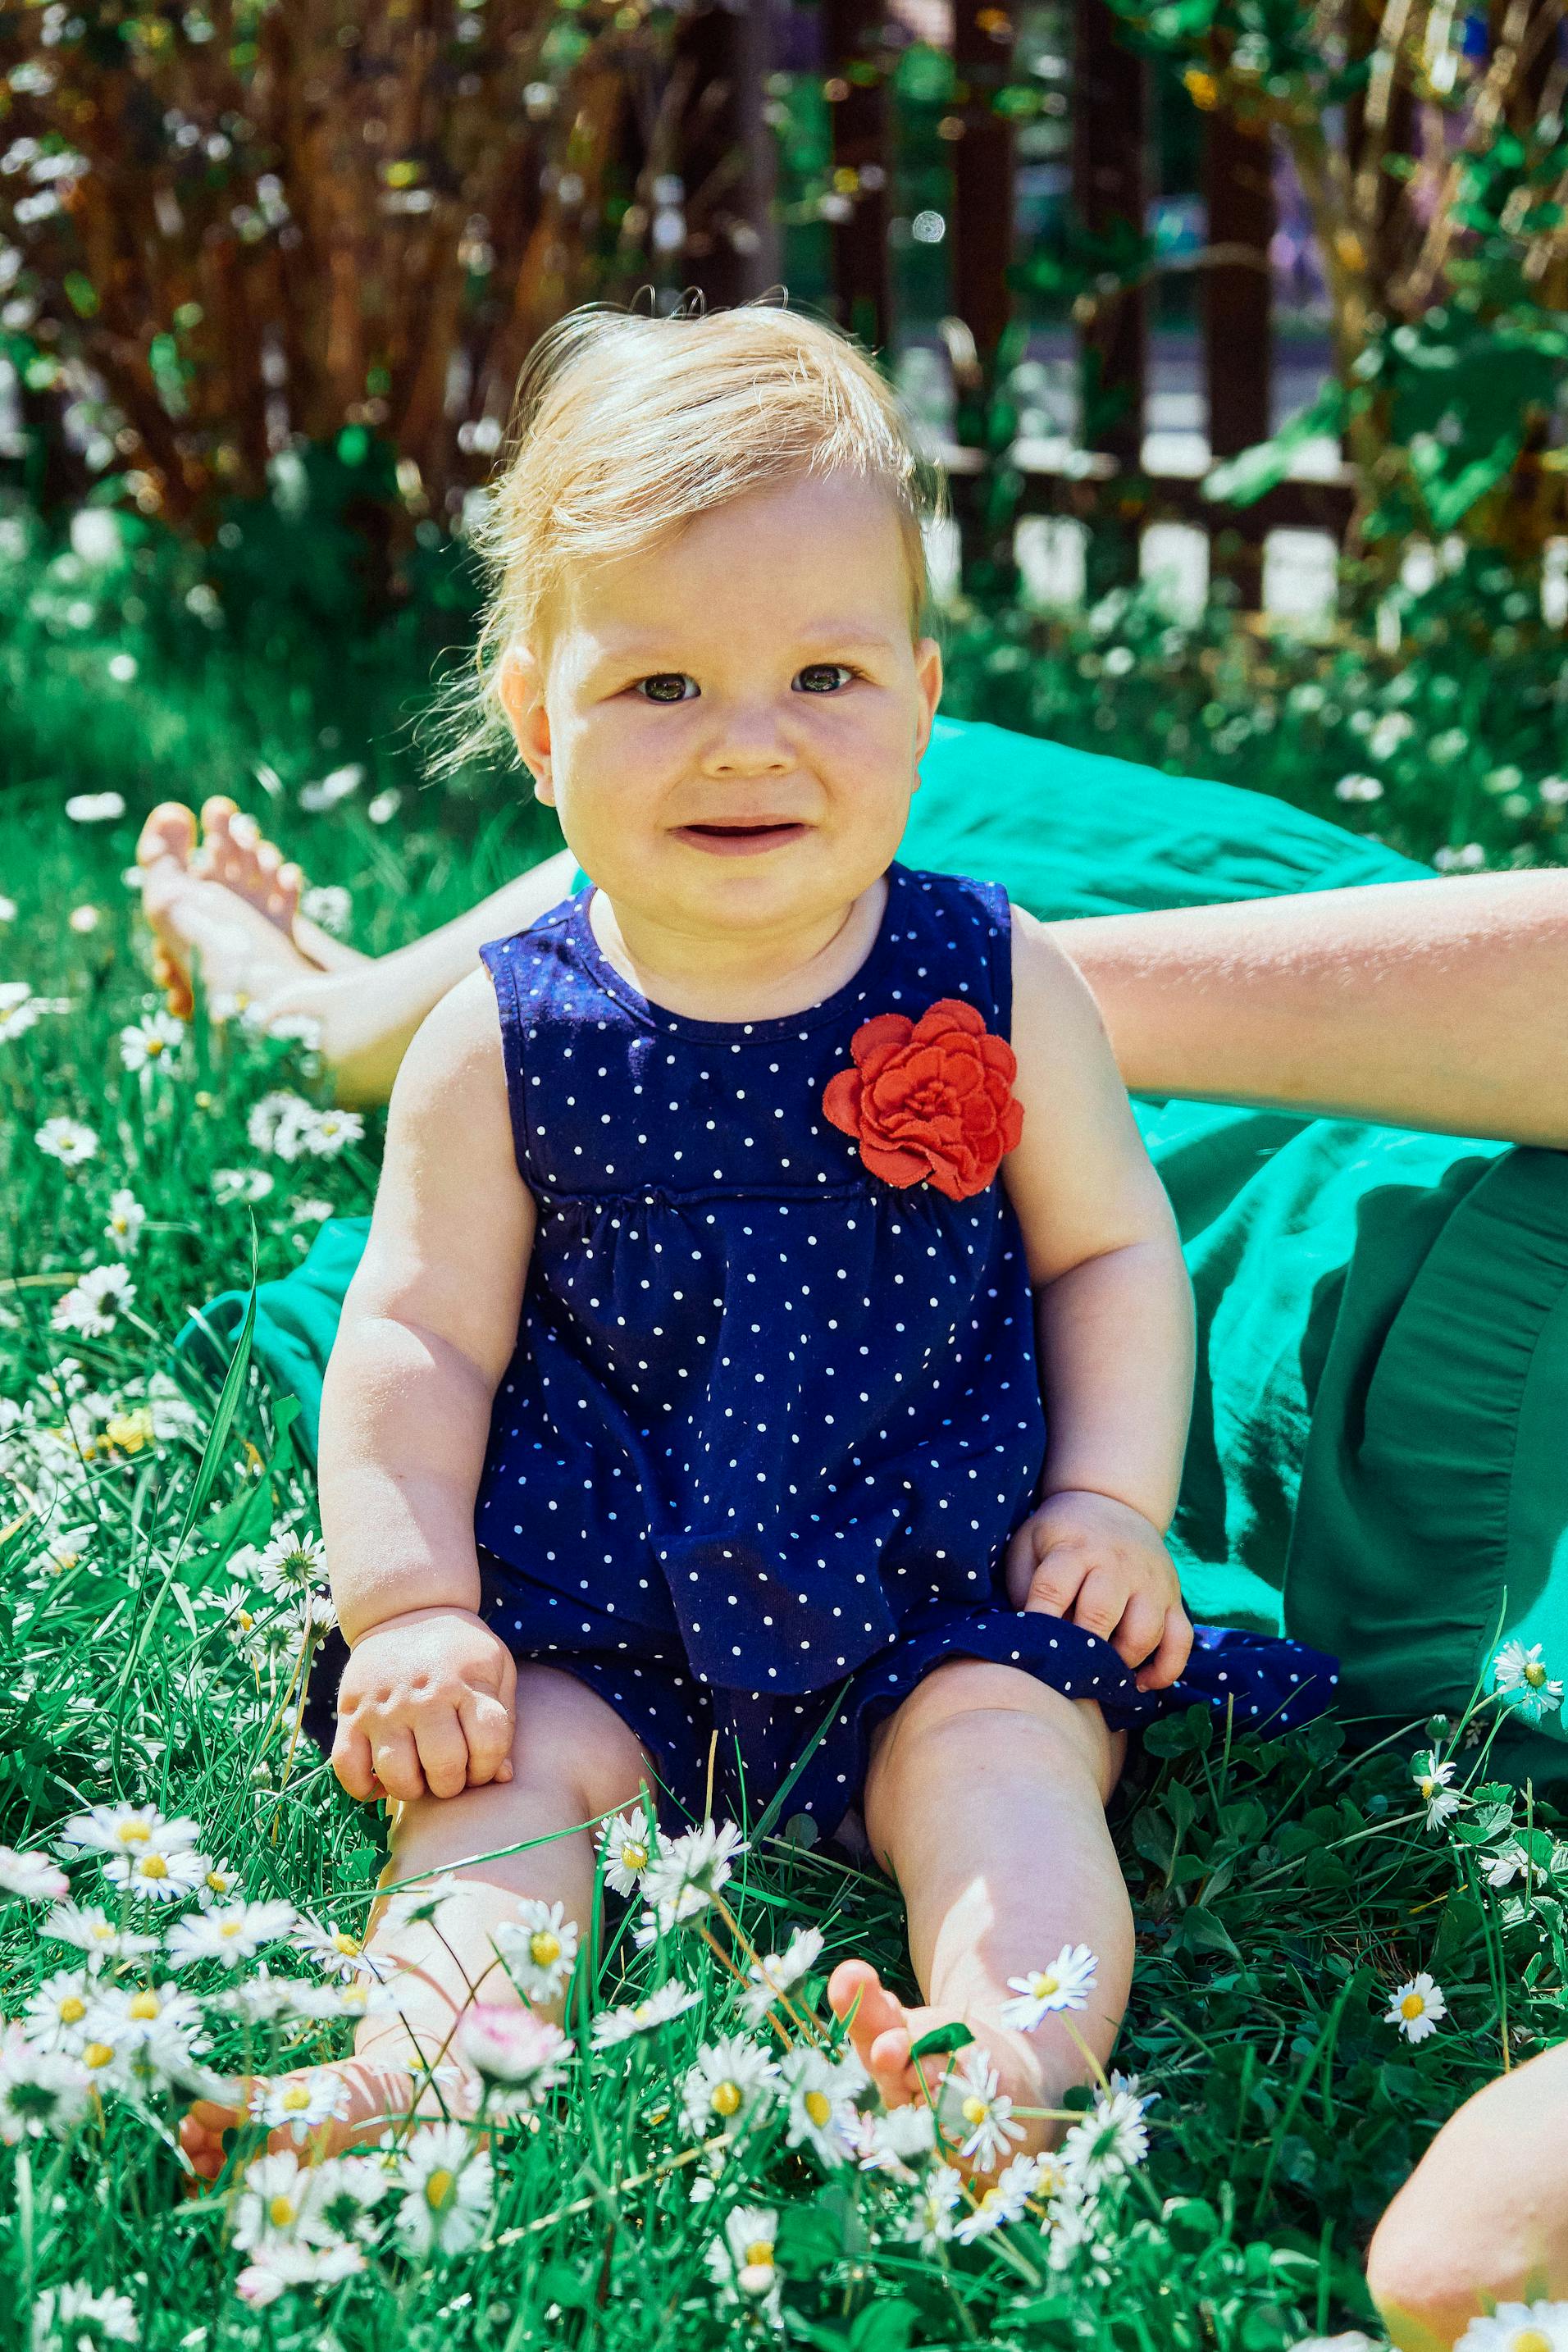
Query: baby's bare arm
pixel 1115 1326
pixel 428 1326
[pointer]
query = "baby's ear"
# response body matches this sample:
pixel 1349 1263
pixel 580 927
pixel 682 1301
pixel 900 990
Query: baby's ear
pixel 519 683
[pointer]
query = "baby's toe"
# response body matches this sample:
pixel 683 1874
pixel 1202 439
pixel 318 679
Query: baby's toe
pixel 169 831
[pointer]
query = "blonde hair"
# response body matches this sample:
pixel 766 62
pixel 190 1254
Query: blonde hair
pixel 626 427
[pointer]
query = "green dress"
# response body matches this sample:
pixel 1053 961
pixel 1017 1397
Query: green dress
pixel 1378 1462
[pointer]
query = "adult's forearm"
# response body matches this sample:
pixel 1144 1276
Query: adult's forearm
pixel 1438 1004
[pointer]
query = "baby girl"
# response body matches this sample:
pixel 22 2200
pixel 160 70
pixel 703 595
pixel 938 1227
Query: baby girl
pixel 769 1367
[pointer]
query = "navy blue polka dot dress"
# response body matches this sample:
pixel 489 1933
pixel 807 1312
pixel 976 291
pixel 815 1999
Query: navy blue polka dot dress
pixel 771 1420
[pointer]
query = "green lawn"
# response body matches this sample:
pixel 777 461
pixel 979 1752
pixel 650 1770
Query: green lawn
pixel 1284 1891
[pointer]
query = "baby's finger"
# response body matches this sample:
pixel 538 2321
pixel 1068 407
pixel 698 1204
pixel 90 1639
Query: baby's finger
pixel 1170 1659
pixel 443 1751
pixel 486 1727
pixel 1140 1630
pixel 351 1763
pixel 397 1764
pixel 1018 1564
pixel 1102 1601
pixel 1056 1582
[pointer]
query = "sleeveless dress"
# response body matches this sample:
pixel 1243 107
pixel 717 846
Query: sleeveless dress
pixel 1376 1463
pixel 771 1420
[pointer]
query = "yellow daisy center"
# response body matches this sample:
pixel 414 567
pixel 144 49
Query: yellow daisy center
pixel 1528 2339
pixel 154 1866
pixel 72 2009
pixel 146 2006
pixel 232 1927
pixel 818 2107
pixel 154 1045
pixel 1413 2005
pixel 132 1833
pixel 726 2099
pixel 244 1620
pixel 633 1857
pixel 97 2054
pixel 280 2211
pixel 1534 1674
pixel 1044 1984
pixel 975 2109
pixel 219 1880
pixel 543 1949
pixel 101 1932
pixel 759 2254
pixel 346 1945
pixel 296 2096
pixel 438 2188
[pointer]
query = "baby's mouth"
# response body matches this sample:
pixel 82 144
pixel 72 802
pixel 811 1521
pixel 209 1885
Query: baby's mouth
pixel 740 839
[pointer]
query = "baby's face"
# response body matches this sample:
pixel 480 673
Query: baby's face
pixel 729 722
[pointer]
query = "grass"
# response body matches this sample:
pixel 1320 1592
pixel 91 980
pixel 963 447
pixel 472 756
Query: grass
pixel 1285 1890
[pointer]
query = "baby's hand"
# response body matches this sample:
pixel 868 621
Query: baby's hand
pixel 1102 1564
pixel 425 1706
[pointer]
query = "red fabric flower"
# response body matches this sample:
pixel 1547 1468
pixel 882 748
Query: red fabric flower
pixel 928 1100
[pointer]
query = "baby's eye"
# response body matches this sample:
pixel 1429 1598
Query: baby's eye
pixel 667 686
pixel 823 677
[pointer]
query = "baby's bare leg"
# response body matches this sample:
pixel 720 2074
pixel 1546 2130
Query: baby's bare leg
pixel 573 1760
pixel 985 1800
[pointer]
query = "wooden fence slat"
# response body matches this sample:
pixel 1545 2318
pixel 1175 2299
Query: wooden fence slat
pixel 982 175
pixel 862 146
pixel 1109 124
pixel 727 152
pixel 1237 323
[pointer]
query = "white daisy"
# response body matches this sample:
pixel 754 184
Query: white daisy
pixel 894 2142
pixel 73 2315
pixel 744 2263
pixel 275 1122
pixel 446 2181
pixel 519 2057
pixel 327 1132
pixel 1432 1781
pixel 161 1877
pixel 327 904
pixel 126 1219
pixel 55 2017
pixel 91 1305
pixel 43 2092
pixel 31 1875
pixel 19 1009
pixel 1066 1984
pixel 153 1042
pixel 231 1184
pixel 349 2187
pixel 972 2110
pixel 283 2263
pixel 819 2100
pixel 291 1563
pixel 91 1930
pixel 230 1932
pixel 220 1884
pixel 280 2200
pixel 685 1875
pixel 1502 1868
pixel 780 1972
pixel 135 2017
pixel 730 2083
pixel 299 2104
pixel 1416 2007
pixel 422 1901
pixel 613 2026
pixel 331 1947
pixel 67 1140
pixel 1007 2199
pixel 627 1845
pixel 95 808
pixel 928 2220
pixel 360 1996
pixel 128 1829
pixel 538 1949
pixel 1520 1678
pixel 1110 2139
pixel 1519 2327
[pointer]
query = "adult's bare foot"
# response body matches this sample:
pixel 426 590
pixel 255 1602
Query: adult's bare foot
pixel 1001 2070
pixel 243 952
pixel 321 2110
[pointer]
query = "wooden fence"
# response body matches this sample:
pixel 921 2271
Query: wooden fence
pixel 1107 488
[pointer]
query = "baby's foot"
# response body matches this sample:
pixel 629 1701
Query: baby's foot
pixel 236 852
pixel 320 2110
pixel 883 2030
pixel 244 953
